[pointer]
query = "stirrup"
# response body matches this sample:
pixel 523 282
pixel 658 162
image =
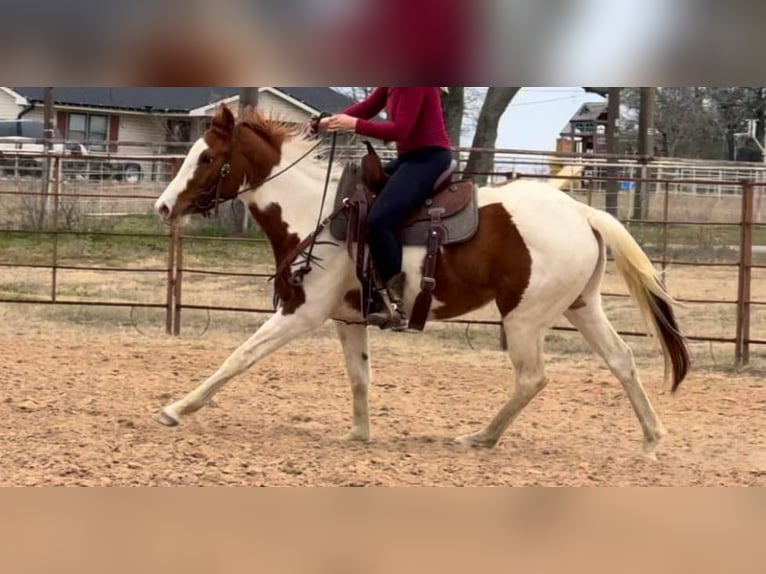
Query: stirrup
pixel 390 316
pixel 390 319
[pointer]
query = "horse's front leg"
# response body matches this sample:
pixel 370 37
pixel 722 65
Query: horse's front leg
pixel 353 338
pixel 275 333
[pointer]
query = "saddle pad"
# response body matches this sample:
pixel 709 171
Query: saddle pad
pixel 458 228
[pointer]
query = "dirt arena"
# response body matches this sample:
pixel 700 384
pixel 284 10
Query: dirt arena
pixel 76 405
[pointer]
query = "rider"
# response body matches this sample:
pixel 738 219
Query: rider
pixel 416 123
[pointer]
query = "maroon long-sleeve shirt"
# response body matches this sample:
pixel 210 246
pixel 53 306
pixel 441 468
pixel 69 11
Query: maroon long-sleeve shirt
pixel 415 117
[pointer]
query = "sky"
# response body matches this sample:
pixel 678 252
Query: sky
pixel 536 116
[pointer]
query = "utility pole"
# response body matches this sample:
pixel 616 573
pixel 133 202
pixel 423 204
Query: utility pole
pixel 47 146
pixel 248 97
pixel 613 186
pixel 645 150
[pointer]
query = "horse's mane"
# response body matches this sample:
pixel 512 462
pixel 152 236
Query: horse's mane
pixel 271 127
pixel 277 132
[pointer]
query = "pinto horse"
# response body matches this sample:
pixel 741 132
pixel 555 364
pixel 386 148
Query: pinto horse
pixel 538 254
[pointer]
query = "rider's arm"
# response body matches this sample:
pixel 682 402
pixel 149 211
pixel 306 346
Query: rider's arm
pixel 399 129
pixel 369 107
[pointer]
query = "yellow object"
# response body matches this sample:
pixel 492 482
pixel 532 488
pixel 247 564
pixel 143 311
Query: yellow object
pixel 567 171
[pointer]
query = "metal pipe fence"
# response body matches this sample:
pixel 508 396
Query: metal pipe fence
pixel 664 219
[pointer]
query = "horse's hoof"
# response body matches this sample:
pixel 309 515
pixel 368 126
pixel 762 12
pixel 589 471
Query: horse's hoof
pixel 650 446
pixel 166 420
pixel 356 437
pixel 476 441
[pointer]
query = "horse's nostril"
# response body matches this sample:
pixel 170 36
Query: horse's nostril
pixel 164 210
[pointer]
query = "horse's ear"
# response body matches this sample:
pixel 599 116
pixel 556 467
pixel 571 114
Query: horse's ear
pixel 224 120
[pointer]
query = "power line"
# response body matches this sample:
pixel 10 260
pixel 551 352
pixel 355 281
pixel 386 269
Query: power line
pixel 553 90
pixel 543 101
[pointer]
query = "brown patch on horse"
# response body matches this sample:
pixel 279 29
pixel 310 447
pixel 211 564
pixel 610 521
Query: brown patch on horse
pixel 578 304
pixel 252 147
pixel 353 299
pixel 282 243
pixel 495 264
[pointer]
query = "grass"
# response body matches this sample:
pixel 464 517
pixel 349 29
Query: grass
pixel 151 243
pixel 22 289
pixel 148 243
pixel 695 235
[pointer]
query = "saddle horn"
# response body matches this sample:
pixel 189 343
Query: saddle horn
pixel 373 175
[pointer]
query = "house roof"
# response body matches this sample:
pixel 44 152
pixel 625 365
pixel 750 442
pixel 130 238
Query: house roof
pixel 589 113
pixel 177 100
pixel 321 99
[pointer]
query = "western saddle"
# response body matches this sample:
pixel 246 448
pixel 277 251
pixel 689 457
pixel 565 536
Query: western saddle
pixel 450 216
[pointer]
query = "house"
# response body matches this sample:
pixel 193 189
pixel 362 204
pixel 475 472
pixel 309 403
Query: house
pixel 149 121
pixel 586 131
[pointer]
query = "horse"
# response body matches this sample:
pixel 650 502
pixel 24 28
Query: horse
pixel 538 254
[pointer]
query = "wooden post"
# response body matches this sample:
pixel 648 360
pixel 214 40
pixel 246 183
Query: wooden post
pixel 665 217
pixel 57 170
pixel 45 176
pixel 612 186
pixel 170 307
pixel 178 284
pixel 645 150
pixel 248 97
pixel 742 350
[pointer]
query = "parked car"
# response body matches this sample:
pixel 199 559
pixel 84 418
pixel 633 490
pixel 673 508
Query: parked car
pixel 99 165
pixel 22 137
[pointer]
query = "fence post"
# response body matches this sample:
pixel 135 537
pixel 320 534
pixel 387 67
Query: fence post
pixel 57 170
pixel 169 308
pixel 665 218
pixel 178 284
pixel 742 350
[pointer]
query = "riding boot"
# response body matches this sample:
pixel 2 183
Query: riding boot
pixel 392 315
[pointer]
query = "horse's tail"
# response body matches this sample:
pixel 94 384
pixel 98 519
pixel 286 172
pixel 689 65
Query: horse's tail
pixel 648 289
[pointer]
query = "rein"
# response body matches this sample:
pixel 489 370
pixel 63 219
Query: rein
pixel 295 278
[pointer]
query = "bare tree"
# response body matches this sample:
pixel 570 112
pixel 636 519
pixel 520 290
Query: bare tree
pixel 469 111
pixel 733 106
pixel 496 102
pixel 688 122
pixel 453 103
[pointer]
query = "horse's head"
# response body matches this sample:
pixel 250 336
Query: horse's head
pixel 228 156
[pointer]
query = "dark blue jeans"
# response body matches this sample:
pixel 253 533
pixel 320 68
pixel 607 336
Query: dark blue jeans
pixel 413 176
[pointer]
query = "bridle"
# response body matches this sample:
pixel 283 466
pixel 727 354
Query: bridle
pixel 212 197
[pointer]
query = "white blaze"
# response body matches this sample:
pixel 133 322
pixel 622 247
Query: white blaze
pixel 169 197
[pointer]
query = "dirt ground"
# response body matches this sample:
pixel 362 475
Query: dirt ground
pixel 76 405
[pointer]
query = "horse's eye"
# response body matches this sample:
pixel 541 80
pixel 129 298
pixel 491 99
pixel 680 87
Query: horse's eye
pixel 206 159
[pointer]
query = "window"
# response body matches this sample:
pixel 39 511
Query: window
pixel 177 132
pixel 9 129
pixel 98 132
pixel 90 128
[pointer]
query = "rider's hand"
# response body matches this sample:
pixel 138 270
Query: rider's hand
pixel 324 124
pixel 340 123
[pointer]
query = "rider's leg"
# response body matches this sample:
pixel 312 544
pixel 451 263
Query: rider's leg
pixel 409 187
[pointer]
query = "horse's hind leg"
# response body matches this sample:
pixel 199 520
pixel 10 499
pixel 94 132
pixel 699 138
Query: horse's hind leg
pixel 353 338
pixel 592 322
pixel 526 350
pixel 275 333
